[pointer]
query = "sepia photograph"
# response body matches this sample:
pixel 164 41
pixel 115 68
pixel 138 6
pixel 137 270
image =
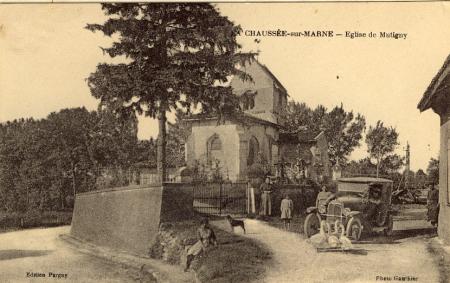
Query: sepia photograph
pixel 225 142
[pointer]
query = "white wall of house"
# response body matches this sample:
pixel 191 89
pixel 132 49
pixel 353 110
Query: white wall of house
pixel 197 146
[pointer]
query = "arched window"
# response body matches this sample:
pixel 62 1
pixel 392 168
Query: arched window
pixel 214 147
pixel 248 100
pixel 253 149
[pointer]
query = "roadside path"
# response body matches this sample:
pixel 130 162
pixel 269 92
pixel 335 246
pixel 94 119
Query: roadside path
pixel 42 251
pixel 297 261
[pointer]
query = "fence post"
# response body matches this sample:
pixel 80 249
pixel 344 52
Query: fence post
pixel 220 198
pixel 248 198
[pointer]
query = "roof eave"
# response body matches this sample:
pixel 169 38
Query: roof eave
pixel 426 101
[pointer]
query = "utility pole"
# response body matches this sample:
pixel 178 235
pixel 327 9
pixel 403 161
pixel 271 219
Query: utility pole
pixel 407 167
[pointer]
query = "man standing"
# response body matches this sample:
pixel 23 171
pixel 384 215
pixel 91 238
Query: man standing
pixel 433 205
pixel 266 198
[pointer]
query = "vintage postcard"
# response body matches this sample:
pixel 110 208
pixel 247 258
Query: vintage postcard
pixel 225 142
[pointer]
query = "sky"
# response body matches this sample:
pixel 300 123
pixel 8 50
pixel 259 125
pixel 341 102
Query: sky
pixel 46 55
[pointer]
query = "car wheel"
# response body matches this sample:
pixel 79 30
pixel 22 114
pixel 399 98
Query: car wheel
pixel 312 224
pixel 354 229
pixel 389 230
pixel 382 216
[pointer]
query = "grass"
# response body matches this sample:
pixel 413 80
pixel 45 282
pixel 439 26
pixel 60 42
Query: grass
pixel 236 259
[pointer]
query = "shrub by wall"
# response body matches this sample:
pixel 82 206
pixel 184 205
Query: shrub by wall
pixel 236 259
pixel 34 218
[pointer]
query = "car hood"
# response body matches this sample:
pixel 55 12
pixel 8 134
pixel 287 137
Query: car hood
pixel 352 201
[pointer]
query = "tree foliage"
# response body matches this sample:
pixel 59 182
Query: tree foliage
pixel 343 129
pixel 43 163
pixel 381 142
pixel 177 134
pixel 178 55
pixel 433 170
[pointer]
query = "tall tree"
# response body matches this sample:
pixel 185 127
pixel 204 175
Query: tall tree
pixel 433 170
pixel 381 143
pixel 343 129
pixel 177 55
pixel 178 133
pixel 344 132
pixel 391 164
pixel 420 179
pixel 43 162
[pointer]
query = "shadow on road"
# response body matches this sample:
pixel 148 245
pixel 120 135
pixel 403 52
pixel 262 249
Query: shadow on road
pixel 13 254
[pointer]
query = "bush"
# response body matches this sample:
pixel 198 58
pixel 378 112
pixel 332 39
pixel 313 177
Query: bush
pixel 236 259
pixel 34 218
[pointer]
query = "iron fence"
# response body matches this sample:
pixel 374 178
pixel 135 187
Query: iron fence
pixel 221 198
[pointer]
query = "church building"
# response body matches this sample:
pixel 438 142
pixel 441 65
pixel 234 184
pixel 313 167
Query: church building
pixel 235 144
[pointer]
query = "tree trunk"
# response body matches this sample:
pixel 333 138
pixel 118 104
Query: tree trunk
pixel 161 149
pixel 378 167
pixel 61 193
pixel 74 187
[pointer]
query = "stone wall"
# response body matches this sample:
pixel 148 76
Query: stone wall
pixel 444 170
pixel 128 218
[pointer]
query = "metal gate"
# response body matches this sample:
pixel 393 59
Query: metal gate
pixel 221 198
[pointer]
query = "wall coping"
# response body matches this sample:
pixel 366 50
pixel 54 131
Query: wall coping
pixel 126 188
pixel 135 187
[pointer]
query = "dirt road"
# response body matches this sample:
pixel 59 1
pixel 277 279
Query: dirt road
pixel 39 251
pixel 26 254
pixel 296 261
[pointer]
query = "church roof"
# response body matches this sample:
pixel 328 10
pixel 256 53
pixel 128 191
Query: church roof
pixel 301 136
pixel 237 116
pixel 266 71
pixel 439 83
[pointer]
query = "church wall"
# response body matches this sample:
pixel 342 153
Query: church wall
pixel 266 136
pixel 235 145
pixel 197 148
pixel 263 84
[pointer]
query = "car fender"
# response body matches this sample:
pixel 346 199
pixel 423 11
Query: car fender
pixel 354 213
pixel 311 209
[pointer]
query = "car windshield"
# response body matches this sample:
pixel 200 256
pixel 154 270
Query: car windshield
pixel 352 187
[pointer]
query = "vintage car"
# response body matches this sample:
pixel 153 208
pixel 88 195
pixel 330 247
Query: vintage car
pixel 360 204
pixel 422 195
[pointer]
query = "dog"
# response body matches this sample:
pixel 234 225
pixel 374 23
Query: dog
pixel 235 223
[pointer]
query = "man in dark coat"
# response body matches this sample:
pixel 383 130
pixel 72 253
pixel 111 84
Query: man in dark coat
pixel 433 205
